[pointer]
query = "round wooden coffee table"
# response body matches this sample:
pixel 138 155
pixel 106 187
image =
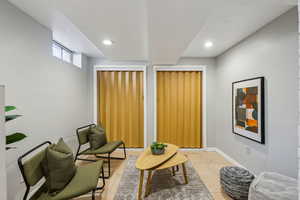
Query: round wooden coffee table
pixel 149 162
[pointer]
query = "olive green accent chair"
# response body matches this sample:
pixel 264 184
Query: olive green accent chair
pixel 84 181
pixel 107 148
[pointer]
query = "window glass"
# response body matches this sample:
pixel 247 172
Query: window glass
pixel 63 53
pixel 66 56
pixel 77 59
pixel 56 51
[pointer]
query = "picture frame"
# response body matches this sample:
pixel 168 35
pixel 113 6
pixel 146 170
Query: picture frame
pixel 248 109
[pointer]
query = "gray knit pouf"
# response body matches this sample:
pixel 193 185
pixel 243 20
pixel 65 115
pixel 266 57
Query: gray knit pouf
pixel 236 181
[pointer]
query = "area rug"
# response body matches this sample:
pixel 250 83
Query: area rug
pixel 164 185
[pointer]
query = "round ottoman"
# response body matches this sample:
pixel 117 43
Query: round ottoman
pixel 273 186
pixel 236 181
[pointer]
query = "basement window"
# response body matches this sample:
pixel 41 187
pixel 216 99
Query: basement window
pixel 63 53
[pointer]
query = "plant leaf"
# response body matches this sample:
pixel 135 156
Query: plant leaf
pixel 8 148
pixel 10 108
pixel 15 137
pixel 11 117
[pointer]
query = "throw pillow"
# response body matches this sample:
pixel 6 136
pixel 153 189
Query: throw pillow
pixel 97 138
pixel 62 147
pixel 60 167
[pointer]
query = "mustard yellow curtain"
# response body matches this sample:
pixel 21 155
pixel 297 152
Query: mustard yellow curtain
pixel 121 106
pixel 179 108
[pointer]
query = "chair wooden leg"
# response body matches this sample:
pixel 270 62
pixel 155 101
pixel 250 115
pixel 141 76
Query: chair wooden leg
pixel 173 171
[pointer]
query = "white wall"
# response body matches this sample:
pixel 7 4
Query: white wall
pixel 210 68
pixel 271 52
pixel 51 94
pixel 2 147
pixel 299 100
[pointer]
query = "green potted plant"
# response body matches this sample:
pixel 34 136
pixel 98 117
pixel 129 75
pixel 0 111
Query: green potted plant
pixel 158 148
pixel 15 137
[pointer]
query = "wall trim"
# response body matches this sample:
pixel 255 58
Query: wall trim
pixel 142 68
pixel 208 149
pixel 230 159
pixel 119 67
pixel 201 68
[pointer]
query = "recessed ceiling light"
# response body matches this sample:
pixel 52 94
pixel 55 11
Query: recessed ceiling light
pixel 208 44
pixel 107 42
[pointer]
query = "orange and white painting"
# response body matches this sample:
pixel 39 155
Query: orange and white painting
pixel 248 108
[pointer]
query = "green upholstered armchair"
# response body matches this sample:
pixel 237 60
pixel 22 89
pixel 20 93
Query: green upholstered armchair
pixel 84 181
pixel 106 148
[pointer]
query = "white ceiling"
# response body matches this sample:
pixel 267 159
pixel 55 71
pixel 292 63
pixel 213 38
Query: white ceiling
pixel 158 31
pixel 232 22
pixel 45 12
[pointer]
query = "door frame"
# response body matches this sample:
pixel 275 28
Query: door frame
pixel 201 68
pixel 142 68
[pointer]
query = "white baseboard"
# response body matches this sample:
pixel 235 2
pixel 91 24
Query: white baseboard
pixel 230 159
pixel 199 149
pixel 215 149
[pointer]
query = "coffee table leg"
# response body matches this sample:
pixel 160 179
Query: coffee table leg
pixel 184 173
pixel 173 171
pixel 148 185
pixel 141 185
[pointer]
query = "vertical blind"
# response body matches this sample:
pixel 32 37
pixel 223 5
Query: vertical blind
pixel 179 104
pixel 121 106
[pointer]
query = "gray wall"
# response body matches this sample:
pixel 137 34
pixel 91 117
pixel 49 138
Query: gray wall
pixel 272 52
pixel 2 147
pixel 51 94
pixel 298 98
pixel 210 68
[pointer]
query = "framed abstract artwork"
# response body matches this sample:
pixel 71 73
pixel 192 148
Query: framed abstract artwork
pixel 248 109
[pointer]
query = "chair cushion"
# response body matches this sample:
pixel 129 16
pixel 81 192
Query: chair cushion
pixel 84 181
pixel 99 128
pixel 59 167
pixel 33 169
pixel 83 136
pixel 97 138
pixel 107 148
